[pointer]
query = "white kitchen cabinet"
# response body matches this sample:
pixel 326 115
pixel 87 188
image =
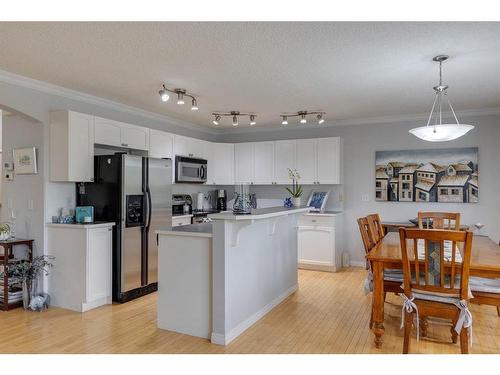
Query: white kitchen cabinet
pixel 319 240
pixel 81 278
pixel 243 163
pixel 284 159
pixel 135 137
pixel 329 161
pixel 221 165
pixel 161 144
pixel 263 163
pixel 71 147
pixel 307 160
pixel 191 147
pixel 119 134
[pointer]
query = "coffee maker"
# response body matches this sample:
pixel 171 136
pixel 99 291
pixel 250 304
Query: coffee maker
pixel 221 199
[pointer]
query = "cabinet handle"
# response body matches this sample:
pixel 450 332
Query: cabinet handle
pixel 124 145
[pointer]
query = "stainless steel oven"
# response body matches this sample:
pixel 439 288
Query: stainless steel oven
pixel 191 170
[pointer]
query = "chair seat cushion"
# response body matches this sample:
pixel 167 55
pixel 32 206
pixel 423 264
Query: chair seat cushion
pixel 393 275
pixel 482 284
pixel 435 298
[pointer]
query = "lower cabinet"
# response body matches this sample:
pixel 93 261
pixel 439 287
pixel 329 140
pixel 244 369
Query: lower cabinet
pixel 319 241
pixel 81 278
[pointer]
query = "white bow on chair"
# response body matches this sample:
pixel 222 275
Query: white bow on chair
pixel 464 319
pixel 409 306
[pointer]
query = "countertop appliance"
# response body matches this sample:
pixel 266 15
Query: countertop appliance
pixel 182 204
pixel 221 199
pixel 190 170
pixel 136 193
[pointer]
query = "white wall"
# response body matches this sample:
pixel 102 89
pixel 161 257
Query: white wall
pixel 360 144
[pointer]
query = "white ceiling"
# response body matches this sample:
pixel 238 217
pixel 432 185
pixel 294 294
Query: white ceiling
pixel 349 70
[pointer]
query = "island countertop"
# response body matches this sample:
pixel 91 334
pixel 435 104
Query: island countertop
pixel 260 213
pixel 193 230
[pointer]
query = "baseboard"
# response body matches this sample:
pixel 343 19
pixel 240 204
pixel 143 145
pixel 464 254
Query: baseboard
pixel 317 266
pixel 357 263
pixel 221 339
pixel 96 303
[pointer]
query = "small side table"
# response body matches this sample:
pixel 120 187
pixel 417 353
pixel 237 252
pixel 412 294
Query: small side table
pixel 8 254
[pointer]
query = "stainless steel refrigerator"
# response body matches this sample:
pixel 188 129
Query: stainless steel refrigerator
pixel 136 193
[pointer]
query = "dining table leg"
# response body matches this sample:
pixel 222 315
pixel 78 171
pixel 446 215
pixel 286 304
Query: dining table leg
pixel 378 302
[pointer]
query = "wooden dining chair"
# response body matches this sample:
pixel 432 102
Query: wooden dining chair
pixel 392 278
pixel 440 220
pixel 436 281
pixel 376 228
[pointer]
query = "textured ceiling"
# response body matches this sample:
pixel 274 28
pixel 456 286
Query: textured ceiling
pixel 349 70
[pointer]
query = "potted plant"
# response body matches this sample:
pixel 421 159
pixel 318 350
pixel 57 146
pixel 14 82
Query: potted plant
pixel 27 273
pixel 4 231
pixel 296 190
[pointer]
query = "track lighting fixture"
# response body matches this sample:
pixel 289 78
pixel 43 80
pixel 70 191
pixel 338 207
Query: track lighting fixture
pixel 216 120
pixel 303 116
pixel 181 93
pixel 234 116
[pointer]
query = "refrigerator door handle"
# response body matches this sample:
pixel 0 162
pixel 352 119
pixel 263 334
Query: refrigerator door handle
pixel 150 205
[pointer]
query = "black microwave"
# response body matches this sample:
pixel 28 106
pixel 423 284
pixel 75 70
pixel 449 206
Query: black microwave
pixel 190 170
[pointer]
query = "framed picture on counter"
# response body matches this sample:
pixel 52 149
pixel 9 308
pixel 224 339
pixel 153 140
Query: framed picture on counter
pixel 317 199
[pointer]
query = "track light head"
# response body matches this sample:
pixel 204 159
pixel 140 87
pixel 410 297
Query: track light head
pixel 194 105
pixel 235 120
pixel 252 120
pixel 164 95
pixel 180 98
pixel 320 118
pixel 303 119
pixel 216 120
pixel 284 121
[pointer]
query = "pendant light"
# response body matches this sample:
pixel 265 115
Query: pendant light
pixel 440 132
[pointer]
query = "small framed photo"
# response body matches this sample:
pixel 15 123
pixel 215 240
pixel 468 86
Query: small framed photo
pixel 25 160
pixel 317 200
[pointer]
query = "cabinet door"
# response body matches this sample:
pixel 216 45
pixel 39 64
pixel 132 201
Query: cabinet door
pixel 180 146
pixel 135 137
pixel 307 160
pixel 107 132
pixel 99 264
pixel 160 144
pixel 316 246
pixel 243 163
pixel 208 155
pixel 263 163
pixel 328 160
pixel 80 147
pixel 222 164
pixel 284 158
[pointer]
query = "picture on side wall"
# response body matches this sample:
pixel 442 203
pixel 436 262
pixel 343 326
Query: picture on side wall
pixel 441 175
pixel 25 160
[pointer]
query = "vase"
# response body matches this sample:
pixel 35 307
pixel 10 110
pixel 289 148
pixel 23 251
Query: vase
pixel 296 201
pixel 26 295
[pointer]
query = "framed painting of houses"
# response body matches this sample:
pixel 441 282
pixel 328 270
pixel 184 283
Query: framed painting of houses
pixel 430 175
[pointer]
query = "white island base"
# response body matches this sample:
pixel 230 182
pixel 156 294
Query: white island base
pixel 219 288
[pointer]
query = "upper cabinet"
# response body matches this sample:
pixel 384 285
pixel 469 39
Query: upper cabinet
pixel 307 160
pixel 119 134
pixel 191 147
pixel 161 144
pixel 263 163
pixel 243 163
pixel 221 165
pixel 71 146
pixel 330 170
pixel 284 159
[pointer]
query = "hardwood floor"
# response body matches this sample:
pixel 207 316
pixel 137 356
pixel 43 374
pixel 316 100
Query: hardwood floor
pixel 328 314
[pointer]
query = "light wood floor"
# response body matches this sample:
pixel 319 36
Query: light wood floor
pixel 328 314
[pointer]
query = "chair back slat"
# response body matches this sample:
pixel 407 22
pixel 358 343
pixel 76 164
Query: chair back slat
pixel 368 242
pixel 376 229
pixel 440 266
pixel 440 220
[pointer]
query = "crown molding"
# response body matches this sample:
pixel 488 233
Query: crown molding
pixel 361 121
pixel 48 88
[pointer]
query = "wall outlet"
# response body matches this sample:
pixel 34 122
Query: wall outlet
pixel 8 176
pixel 365 198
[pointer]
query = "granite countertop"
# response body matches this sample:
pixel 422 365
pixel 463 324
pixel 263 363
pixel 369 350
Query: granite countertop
pixel 260 213
pixel 97 224
pixel 193 230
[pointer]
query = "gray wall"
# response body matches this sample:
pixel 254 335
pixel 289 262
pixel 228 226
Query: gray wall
pixel 360 144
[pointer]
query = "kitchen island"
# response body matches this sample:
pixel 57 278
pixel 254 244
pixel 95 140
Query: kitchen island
pixel 217 284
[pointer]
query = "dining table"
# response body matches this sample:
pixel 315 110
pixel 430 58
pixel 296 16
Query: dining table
pixel 485 262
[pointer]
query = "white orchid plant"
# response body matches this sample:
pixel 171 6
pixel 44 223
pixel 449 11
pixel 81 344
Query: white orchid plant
pixel 296 190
